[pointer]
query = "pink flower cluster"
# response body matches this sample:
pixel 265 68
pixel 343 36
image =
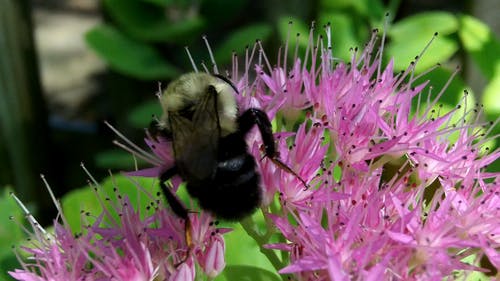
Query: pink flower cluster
pixel 124 244
pixel 394 193
pixel 359 220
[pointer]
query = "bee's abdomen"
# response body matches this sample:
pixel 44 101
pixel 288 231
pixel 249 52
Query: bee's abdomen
pixel 234 192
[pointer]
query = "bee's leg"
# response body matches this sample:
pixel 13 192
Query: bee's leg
pixel 174 202
pixel 254 116
pixel 177 206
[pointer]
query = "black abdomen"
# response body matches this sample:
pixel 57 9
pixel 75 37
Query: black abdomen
pixel 234 191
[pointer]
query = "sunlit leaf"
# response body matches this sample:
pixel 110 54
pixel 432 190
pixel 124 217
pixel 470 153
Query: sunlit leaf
pixel 422 26
pixel 480 42
pixel 10 233
pixel 437 79
pixel 78 202
pixel 491 94
pixel 439 51
pixel 484 49
pixel 246 273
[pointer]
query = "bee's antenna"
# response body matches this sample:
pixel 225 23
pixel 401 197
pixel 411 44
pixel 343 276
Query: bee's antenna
pixel 160 91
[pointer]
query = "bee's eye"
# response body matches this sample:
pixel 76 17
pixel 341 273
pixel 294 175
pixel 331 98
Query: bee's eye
pixel 187 111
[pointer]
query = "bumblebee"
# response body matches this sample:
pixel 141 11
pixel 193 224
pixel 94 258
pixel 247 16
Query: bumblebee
pixel 201 118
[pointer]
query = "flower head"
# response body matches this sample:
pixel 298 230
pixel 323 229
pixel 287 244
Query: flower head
pixel 391 194
pixel 127 246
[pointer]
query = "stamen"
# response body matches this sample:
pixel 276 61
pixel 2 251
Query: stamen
pixel 191 59
pixel 53 197
pixel 285 53
pixel 148 158
pixel 205 67
pixel 235 73
pixel 438 97
pixel 263 54
pixel 248 61
pixel 328 31
pixel 382 43
pixel 310 44
pixel 212 58
pixel 34 223
pixel 297 43
pixel 134 149
pixel 93 180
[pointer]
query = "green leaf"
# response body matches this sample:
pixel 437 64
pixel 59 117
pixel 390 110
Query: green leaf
pixel 116 159
pixel 371 9
pixel 343 34
pixel 480 42
pixel 438 79
pixel 8 262
pixel 297 27
pixel 10 233
pixel 140 116
pixel 241 249
pixel 410 36
pixel 140 190
pixel 482 45
pixel 149 23
pixel 239 39
pixel 423 26
pixel 85 199
pixel 359 11
pixel 439 51
pixel 128 56
pixel 10 212
pixel 491 95
pixel 246 273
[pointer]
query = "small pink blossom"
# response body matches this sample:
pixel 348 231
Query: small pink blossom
pixel 213 261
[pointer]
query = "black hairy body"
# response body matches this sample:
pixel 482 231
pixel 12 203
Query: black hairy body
pixel 211 155
pixel 234 191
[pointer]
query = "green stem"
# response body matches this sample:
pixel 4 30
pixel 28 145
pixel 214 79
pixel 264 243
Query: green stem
pixel 23 119
pixel 249 227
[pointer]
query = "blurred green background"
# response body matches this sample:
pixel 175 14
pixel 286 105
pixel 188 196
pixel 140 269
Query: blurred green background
pixel 68 65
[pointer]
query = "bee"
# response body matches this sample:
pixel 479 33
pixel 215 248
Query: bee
pixel 201 118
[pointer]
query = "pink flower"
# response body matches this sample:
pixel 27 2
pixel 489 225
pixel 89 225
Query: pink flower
pixel 213 261
pixel 413 225
pixel 126 246
pixel 364 217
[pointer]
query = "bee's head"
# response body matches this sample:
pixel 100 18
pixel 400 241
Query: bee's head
pixel 183 95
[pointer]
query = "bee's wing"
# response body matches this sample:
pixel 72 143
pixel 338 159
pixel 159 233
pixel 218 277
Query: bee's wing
pixel 196 141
